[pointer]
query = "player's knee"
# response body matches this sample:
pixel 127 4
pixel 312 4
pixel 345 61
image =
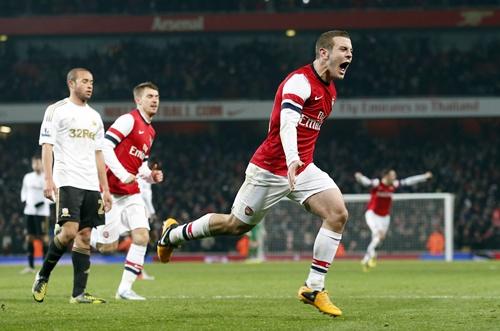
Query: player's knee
pixel 67 234
pixel 341 215
pixel 236 227
pixel 107 248
pixel 140 237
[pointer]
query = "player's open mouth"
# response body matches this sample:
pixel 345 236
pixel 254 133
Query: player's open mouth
pixel 343 66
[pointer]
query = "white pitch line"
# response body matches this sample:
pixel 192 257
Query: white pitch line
pixel 392 297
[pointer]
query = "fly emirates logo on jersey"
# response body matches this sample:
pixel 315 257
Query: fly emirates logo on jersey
pixel 141 154
pixel 312 123
pixel 384 194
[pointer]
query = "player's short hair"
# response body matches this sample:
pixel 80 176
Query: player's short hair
pixel 142 86
pixel 385 172
pixel 73 74
pixel 36 156
pixel 325 40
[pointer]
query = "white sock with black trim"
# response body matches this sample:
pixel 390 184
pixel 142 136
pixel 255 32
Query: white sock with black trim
pixel 325 248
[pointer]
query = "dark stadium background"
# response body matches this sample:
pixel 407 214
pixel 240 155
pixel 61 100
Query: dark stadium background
pixel 226 51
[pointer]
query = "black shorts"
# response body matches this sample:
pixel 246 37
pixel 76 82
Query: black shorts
pixel 78 205
pixel 37 225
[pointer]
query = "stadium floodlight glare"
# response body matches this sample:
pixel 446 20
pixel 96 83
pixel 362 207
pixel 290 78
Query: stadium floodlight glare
pixel 290 33
pixel 5 129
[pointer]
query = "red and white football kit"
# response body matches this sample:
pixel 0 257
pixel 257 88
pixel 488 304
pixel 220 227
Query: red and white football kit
pixel 379 207
pixel 302 103
pixel 127 148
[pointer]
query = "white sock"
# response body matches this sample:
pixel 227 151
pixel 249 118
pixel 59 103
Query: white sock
pixel 325 248
pixel 193 230
pixel 133 266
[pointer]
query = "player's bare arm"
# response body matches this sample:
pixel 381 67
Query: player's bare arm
pixel 50 189
pixel 103 180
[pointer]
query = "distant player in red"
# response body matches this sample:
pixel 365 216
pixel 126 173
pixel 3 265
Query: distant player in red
pixel 379 207
pixel 283 167
pixel 127 148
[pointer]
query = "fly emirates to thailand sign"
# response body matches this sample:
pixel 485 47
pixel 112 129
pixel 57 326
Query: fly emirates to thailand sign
pixel 343 109
pixel 260 110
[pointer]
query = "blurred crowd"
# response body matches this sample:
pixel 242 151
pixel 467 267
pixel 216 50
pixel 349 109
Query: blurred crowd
pixel 150 7
pixel 204 171
pixel 250 67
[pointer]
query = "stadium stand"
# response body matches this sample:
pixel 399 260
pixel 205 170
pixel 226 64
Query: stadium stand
pixel 138 7
pixel 228 66
pixel 222 150
pixel 260 61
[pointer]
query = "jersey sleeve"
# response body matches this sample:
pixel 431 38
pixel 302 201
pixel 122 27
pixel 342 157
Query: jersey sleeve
pixel 145 173
pixel 120 129
pixel 365 181
pixel 48 129
pixel 99 137
pixel 288 134
pixel 115 134
pixel 23 190
pixel 412 180
pixel 295 93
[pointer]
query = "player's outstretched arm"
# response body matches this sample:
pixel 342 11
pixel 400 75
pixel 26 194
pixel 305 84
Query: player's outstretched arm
pixel 412 180
pixel 363 180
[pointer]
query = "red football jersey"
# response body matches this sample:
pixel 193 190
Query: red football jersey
pixel 381 199
pixel 305 92
pixel 133 139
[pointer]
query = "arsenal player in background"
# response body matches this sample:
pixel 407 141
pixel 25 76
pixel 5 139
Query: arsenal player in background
pixel 283 166
pixel 377 215
pixel 126 151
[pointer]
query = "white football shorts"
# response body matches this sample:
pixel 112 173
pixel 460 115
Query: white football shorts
pixel 262 189
pixel 377 223
pixel 128 213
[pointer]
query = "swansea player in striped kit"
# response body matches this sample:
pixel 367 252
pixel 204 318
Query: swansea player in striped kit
pixel 377 215
pixel 126 150
pixel 283 167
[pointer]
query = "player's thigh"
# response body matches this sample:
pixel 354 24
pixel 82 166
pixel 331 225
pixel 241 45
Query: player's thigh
pixel 258 193
pixel 92 213
pixel 39 225
pixel 385 221
pixel 69 204
pixel 377 224
pixel 317 191
pixel 135 215
pixel 371 221
pixel 31 228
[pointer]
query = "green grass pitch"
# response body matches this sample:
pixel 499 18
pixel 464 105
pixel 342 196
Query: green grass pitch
pixel 396 295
